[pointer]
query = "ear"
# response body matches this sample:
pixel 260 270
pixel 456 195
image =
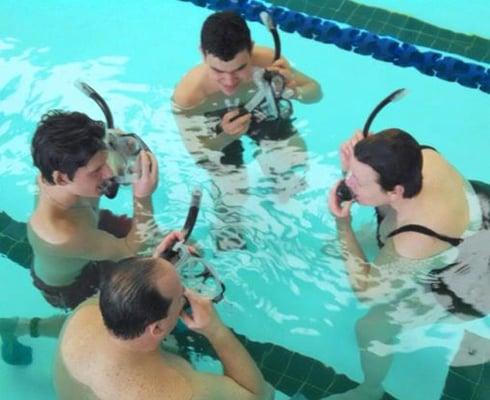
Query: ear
pixel 60 178
pixel 158 329
pixel 397 192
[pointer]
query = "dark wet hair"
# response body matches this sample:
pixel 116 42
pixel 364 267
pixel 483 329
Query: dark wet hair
pixel 129 300
pixel 224 35
pixel 397 158
pixel 65 141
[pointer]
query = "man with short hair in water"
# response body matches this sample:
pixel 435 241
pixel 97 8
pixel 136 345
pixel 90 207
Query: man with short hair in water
pixel 425 207
pixel 110 347
pixel 72 239
pixel 207 105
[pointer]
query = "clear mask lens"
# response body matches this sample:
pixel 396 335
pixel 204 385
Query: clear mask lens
pixel 199 276
pixel 124 149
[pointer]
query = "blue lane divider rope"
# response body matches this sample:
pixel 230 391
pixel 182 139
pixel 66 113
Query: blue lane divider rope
pixel 362 42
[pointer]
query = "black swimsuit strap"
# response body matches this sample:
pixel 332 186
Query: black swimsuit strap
pixel 426 231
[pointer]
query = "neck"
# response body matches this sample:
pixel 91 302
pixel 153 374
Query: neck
pixel 137 346
pixel 404 207
pixel 59 197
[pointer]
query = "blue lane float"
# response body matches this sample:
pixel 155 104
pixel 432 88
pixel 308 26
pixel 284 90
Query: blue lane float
pixel 362 42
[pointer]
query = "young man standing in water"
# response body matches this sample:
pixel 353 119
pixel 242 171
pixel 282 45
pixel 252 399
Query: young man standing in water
pixel 424 208
pixel 111 347
pixel 71 238
pixel 206 106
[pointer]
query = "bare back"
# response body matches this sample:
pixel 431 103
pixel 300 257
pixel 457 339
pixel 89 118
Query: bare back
pixel 88 366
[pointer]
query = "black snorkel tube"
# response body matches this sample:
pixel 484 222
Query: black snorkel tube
pixel 110 186
pixel 189 223
pixel 395 96
pixel 269 23
pixel 90 92
pixel 343 192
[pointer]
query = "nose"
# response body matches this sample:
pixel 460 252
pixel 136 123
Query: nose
pixel 107 172
pixel 229 79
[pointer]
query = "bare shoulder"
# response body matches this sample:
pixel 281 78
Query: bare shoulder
pixel 190 91
pixel 262 57
pixel 57 231
pixel 417 246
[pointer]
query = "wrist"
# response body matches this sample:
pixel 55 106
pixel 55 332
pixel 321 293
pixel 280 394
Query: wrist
pixel 343 222
pixel 216 332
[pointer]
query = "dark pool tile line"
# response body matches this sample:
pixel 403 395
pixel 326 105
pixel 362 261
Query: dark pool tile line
pixel 402 27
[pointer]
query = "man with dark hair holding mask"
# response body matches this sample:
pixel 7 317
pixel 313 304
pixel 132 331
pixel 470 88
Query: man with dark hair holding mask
pixel 208 103
pixel 71 238
pixel 111 347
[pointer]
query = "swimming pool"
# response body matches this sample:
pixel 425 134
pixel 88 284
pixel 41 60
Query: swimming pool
pixel 289 287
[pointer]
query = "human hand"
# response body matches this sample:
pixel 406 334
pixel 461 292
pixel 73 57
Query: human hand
pixel 147 180
pixel 282 66
pixel 168 242
pixel 338 210
pixel 203 318
pixel 347 150
pixel 235 127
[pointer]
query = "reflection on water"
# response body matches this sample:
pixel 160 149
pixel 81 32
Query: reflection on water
pixel 288 285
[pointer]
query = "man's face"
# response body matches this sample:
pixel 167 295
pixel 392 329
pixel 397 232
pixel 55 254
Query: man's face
pixel 363 182
pixel 228 75
pixel 87 181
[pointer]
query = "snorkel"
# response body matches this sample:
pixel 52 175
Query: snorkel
pixel 189 223
pixel 194 272
pixel 343 192
pixel 123 147
pixel 271 101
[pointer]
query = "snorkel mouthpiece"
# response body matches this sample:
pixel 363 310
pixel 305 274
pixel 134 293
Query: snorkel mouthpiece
pixel 343 192
pixel 109 188
pixel 395 96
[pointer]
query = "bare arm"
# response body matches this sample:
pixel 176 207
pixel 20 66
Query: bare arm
pixel 242 378
pixel 306 89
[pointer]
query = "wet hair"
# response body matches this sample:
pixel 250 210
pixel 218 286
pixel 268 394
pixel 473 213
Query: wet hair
pixel 129 300
pixel 65 141
pixel 397 158
pixel 224 35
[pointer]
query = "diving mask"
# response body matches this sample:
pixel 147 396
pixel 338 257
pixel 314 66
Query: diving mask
pixel 198 275
pixel 124 149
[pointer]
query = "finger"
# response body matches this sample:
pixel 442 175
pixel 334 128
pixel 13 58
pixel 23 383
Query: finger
pixel 345 210
pixel 230 114
pixel 153 166
pixel 187 319
pixel 144 164
pixel 245 119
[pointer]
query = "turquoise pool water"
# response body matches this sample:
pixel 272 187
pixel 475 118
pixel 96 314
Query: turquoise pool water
pixel 289 287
